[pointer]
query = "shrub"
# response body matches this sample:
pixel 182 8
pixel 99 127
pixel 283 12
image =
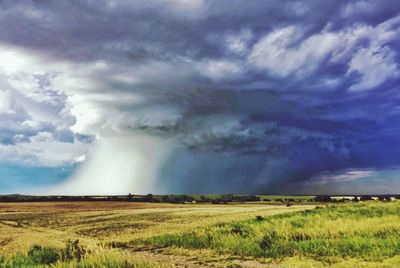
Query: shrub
pixel 259 218
pixel 240 230
pixel 268 240
pixel 43 255
pixel 73 251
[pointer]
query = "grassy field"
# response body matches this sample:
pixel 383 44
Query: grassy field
pixel 124 234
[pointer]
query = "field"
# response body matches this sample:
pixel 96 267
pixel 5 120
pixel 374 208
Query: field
pixel 258 234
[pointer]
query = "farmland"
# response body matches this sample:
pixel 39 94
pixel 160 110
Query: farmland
pixel 137 234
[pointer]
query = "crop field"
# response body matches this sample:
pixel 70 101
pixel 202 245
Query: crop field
pixel 257 234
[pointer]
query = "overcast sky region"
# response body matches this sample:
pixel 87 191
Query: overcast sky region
pixel 198 96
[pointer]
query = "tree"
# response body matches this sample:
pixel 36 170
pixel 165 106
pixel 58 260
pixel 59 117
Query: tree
pixel 365 198
pixel 165 199
pixel 148 198
pixel 323 198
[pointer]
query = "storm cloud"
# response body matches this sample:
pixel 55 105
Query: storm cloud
pixel 228 96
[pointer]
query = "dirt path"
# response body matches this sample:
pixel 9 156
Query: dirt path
pixel 167 260
pixel 181 261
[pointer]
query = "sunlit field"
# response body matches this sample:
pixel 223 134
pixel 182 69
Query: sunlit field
pixel 257 234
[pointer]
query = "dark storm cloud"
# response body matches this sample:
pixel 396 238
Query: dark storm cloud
pixel 158 30
pixel 278 92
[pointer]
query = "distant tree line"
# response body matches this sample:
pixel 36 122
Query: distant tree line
pixel 217 199
pixel 183 198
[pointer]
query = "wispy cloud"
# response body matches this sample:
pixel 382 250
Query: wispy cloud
pixel 344 176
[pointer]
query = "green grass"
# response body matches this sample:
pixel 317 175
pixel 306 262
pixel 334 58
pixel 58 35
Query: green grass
pixel 73 256
pixel 370 231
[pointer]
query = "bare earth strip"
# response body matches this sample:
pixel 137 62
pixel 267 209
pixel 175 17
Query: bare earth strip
pixel 183 261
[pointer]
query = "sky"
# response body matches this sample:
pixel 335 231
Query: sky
pixel 198 96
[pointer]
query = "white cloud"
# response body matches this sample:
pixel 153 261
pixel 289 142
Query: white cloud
pixel 375 67
pixel 345 176
pixel 221 69
pixel 300 8
pixel 361 48
pixel 238 44
pixel 355 7
pixel 6 102
pixel 182 8
pixel 45 101
pixel 80 159
pixel 185 6
pixel 42 151
pixel 272 52
pixel 33 109
pixel 279 53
